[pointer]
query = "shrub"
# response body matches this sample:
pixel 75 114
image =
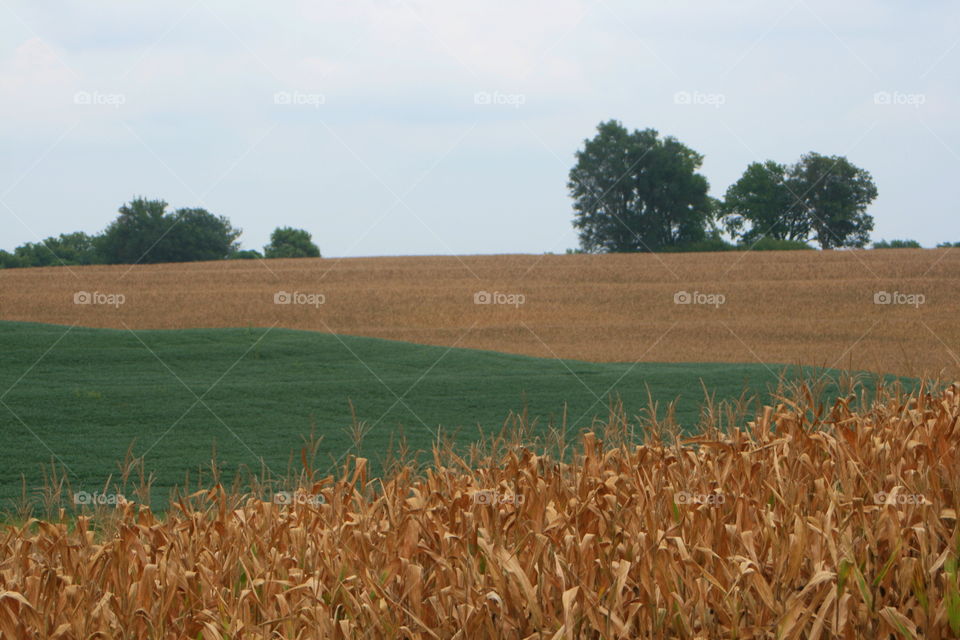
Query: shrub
pixel 9 261
pixel 896 244
pixel 245 254
pixel 700 246
pixel 774 244
pixel 287 242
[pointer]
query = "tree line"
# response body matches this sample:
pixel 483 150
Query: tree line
pixel 632 191
pixel 145 232
pixel 638 191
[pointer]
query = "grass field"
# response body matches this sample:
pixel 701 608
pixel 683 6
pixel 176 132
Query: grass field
pixel 809 307
pixel 83 396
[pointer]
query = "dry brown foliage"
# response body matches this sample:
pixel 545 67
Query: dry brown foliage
pixel 773 529
pixel 808 307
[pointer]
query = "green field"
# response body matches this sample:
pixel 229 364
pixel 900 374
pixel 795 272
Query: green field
pixel 83 396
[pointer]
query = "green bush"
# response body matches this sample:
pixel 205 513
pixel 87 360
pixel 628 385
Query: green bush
pixel 287 242
pixel 774 244
pixel 245 254
pixel 9 260
pixel 896 244
pixel 709 244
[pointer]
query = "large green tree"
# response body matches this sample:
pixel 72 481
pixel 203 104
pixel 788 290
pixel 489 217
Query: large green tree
pixel 145 232
pixel 134 235
pixel 287 242
pixel 197 234
pixel 760 204
pixel 637 192
pixel 835 193
pixel 823 196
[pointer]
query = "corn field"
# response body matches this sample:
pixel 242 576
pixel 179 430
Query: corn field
pixel 805 522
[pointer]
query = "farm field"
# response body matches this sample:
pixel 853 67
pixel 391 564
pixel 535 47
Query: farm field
pixel 804 307
pixel 818 519
pixel 256 394
pixel 781 527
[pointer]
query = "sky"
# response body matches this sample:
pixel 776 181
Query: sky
pixel 413 127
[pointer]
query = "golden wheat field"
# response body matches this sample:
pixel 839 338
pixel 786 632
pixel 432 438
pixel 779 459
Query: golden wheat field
pixel 801 523
pixel 808 307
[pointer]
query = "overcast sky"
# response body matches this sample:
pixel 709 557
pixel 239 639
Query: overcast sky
pixel 392 127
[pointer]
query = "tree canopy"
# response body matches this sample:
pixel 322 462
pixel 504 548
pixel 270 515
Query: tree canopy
pixel 287 242
pixel 637 192
pixel 761 204
pixel 823 196
pixel 144 231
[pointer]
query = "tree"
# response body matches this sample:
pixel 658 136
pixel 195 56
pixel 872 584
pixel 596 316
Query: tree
pixel 67 249
pixel 133 236
pixel 245 254
pixel 637 192
pixel 197 234
pixel 896 244
pixel 9 260
pixel 775 244
pixel 762 199
pixel 835 195
pixel 145 233
pixel 822 195
pixel 35 254
pixel 75 248
pixel 287 242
